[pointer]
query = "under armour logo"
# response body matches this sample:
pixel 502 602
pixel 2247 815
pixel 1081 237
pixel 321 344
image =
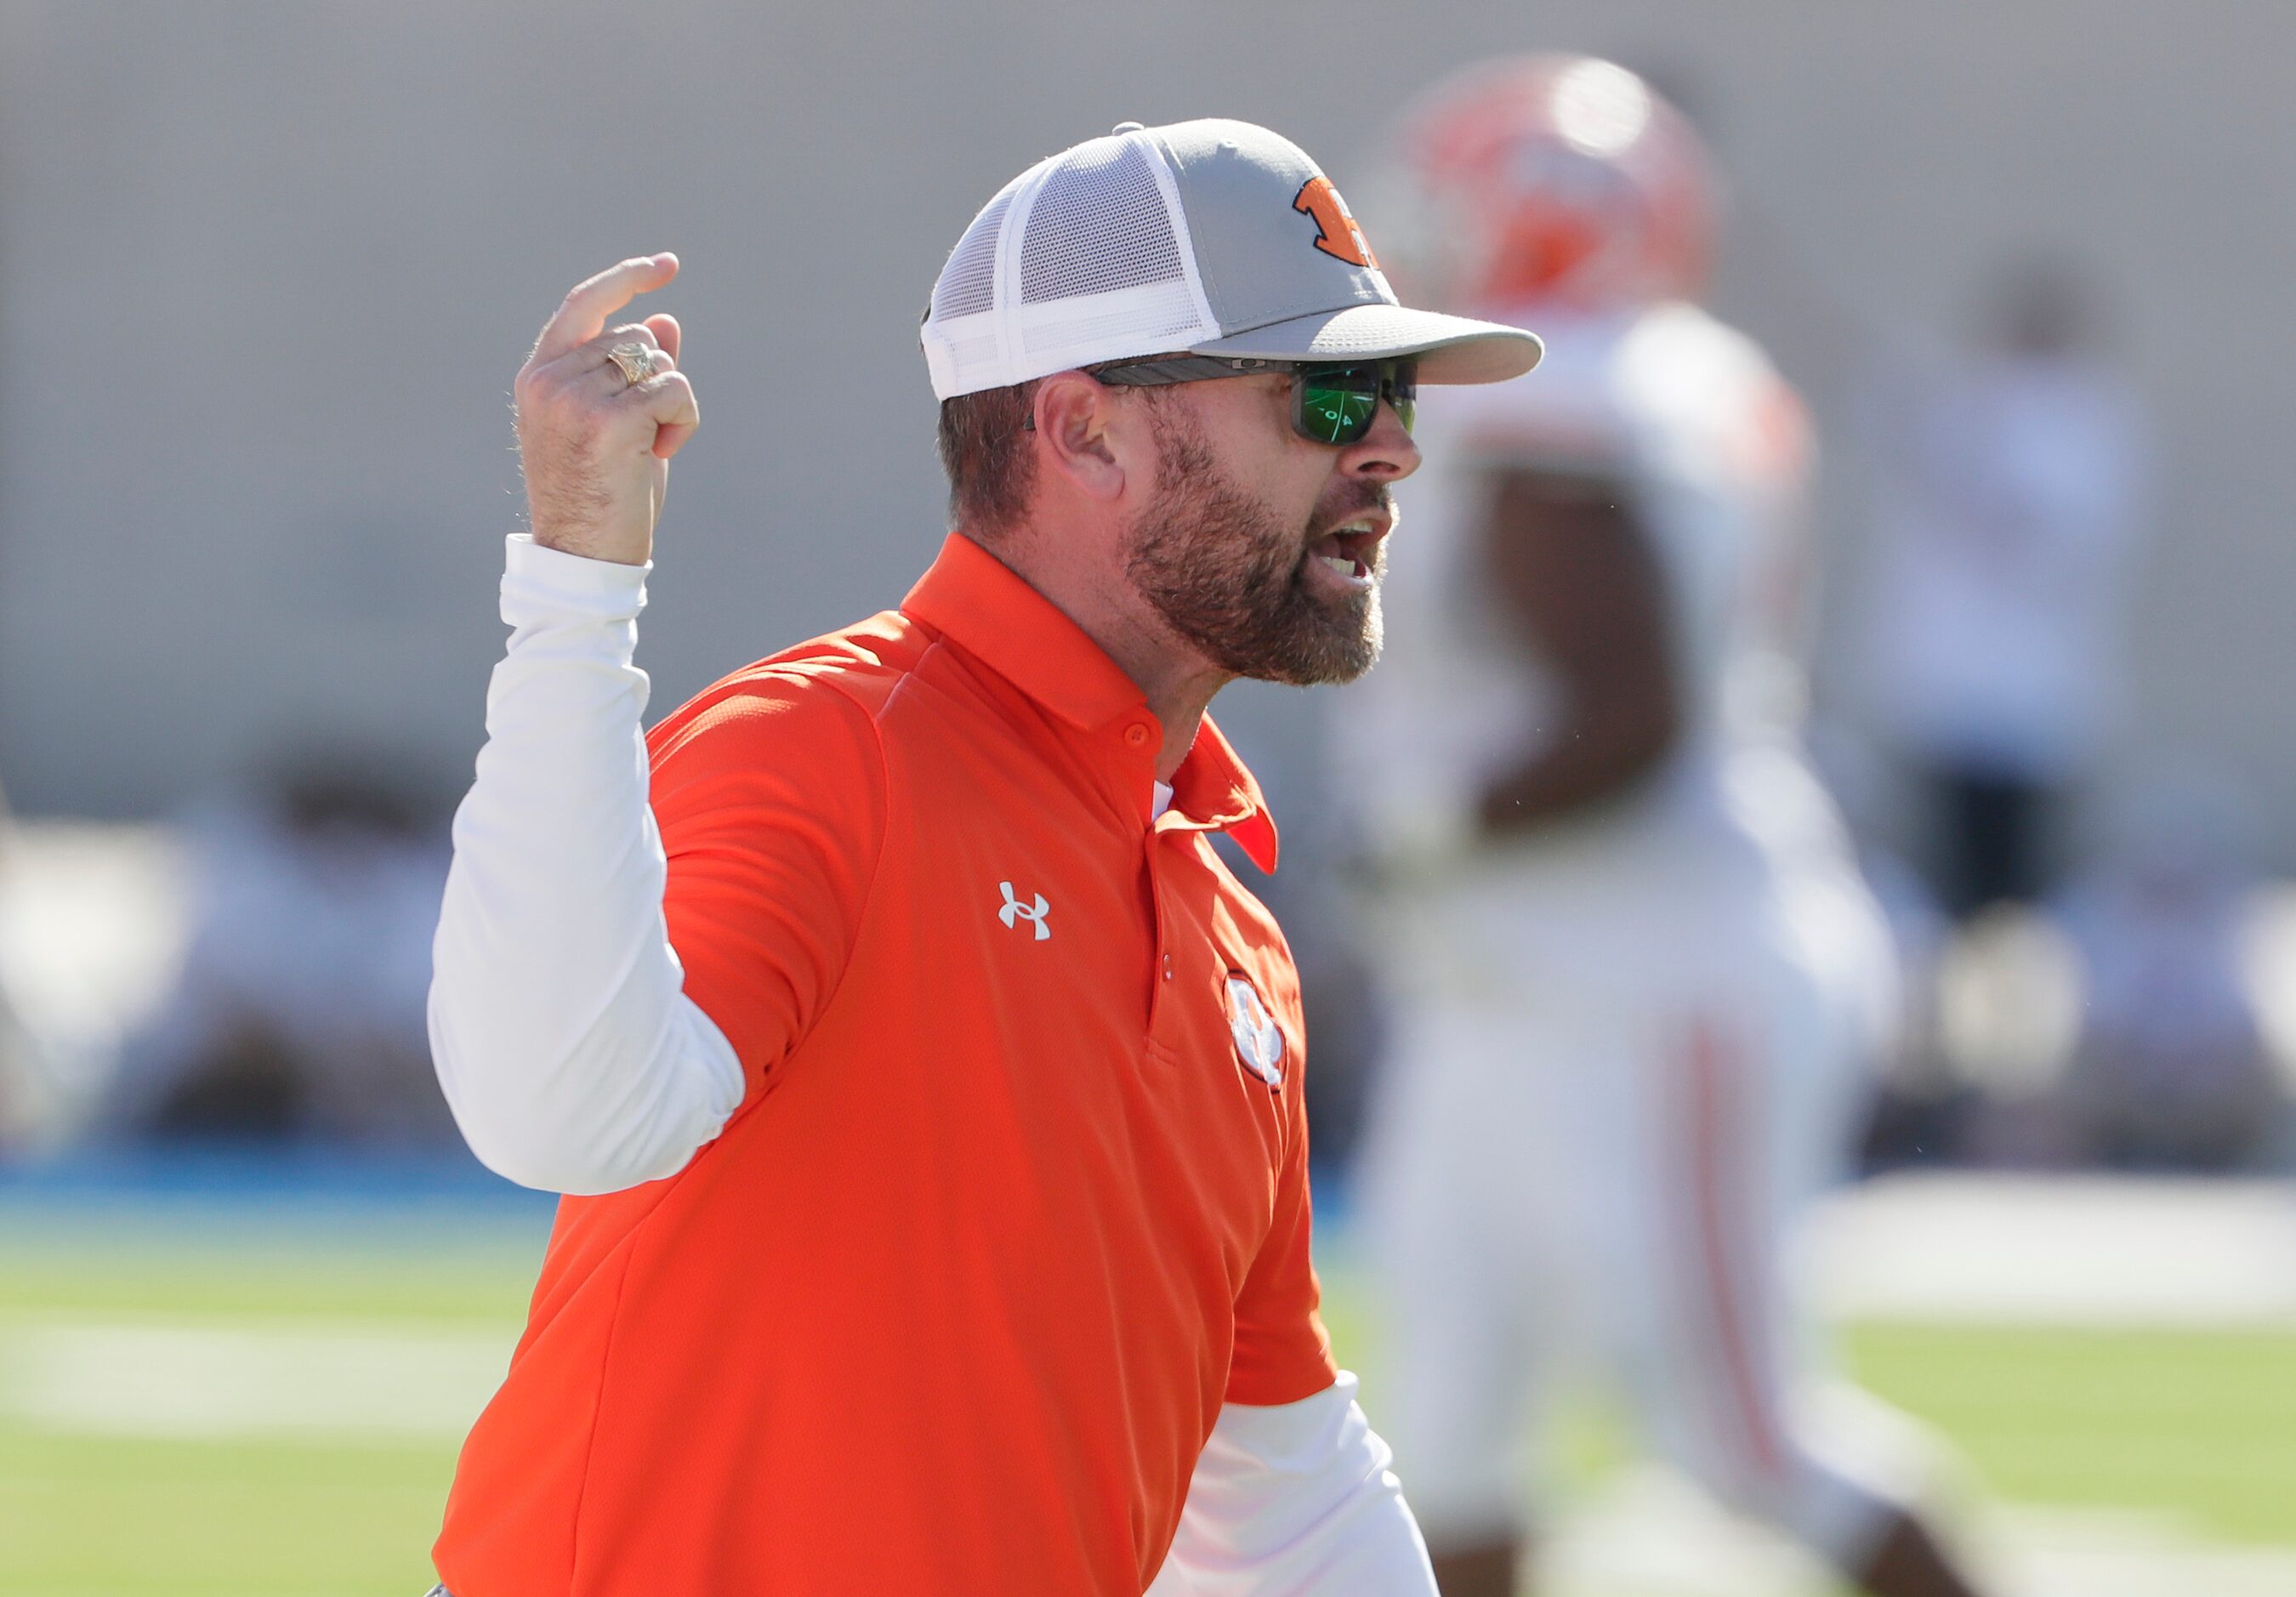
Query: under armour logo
pixel 1015 911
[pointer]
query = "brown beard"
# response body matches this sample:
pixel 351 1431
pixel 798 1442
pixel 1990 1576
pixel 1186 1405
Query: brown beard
pixel 1228 577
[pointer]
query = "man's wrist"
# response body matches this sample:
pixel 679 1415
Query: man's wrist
pixel 575 535
pixel 585 544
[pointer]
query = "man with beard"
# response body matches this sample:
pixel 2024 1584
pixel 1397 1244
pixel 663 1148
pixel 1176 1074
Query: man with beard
pixel 926 1091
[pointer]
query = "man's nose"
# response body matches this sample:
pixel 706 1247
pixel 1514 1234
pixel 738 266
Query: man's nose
pixel 1385 453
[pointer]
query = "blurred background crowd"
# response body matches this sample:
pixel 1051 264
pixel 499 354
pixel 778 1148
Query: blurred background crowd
pixel 267 270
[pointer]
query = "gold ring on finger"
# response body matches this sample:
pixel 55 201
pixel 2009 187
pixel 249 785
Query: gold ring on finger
pixel 635 360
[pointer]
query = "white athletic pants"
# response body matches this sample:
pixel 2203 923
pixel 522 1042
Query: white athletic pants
pixel 1610 1091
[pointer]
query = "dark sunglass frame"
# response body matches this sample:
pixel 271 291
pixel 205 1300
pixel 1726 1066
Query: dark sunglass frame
pixel 1319 411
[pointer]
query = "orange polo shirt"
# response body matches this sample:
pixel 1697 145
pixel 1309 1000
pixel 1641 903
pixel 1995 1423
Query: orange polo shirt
pixel 1018 1195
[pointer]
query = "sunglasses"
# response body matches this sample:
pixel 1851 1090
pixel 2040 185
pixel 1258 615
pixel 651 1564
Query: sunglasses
pixel 1331 404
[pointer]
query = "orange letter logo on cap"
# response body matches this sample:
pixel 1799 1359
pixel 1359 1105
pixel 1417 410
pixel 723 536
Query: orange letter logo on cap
pixel 1339 235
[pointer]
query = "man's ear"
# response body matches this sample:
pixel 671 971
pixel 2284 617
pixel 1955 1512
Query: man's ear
pixel 1076 425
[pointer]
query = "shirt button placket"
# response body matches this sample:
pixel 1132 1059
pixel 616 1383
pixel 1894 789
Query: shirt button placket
pixel 1159 992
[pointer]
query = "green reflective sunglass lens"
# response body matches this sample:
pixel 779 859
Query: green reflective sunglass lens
pixel 1338 412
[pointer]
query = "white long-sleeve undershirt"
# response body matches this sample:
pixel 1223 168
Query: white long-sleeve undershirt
pixel 563 1040
pixel 1297 1497
pixel 575 1062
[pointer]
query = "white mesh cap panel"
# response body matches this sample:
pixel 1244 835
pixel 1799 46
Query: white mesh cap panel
pixel 968 283
pixel 1098 223
pixel 1083 259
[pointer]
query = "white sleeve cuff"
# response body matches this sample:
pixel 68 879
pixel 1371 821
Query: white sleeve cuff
pixel 542 583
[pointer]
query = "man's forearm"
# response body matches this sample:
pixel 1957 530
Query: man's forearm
pixel 563 1040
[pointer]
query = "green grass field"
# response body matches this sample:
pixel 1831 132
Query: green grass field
pixel 271 1409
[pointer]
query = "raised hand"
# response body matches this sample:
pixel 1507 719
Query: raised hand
pixel 595 445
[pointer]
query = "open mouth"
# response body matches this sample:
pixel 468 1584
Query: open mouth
pixel 1349 552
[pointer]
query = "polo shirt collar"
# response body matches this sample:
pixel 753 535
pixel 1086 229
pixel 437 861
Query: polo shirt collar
pixel 1213 789
pixel 971 596
pixel 989 610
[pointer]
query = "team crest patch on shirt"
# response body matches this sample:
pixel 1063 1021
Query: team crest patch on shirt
pixel 1258 1037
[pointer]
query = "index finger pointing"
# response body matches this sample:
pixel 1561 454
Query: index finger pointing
pixel 583 316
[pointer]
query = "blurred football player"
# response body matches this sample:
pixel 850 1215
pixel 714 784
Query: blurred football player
pixel 1639 976
pixel 2011 501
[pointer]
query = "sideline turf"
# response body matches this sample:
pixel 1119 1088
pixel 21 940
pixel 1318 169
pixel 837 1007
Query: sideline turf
pixel 2199 1423
pixel 88 1517
pixel 98 1516
pixel 2203 1424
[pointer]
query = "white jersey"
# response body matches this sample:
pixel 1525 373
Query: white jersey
pixel 1693 419
pixel 1629 1046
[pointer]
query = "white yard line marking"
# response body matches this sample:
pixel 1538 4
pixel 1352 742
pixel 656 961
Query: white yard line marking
pixel 2007 1250
pixel 1649 1535
pixel 371 1381
pixel 1993 1249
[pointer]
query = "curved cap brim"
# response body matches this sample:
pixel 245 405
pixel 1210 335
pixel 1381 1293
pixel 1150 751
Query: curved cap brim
pixel 1456 349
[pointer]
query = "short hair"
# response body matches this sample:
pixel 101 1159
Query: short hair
pixel 987 453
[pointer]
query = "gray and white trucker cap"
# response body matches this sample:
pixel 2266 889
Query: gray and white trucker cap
pixel 1211 237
